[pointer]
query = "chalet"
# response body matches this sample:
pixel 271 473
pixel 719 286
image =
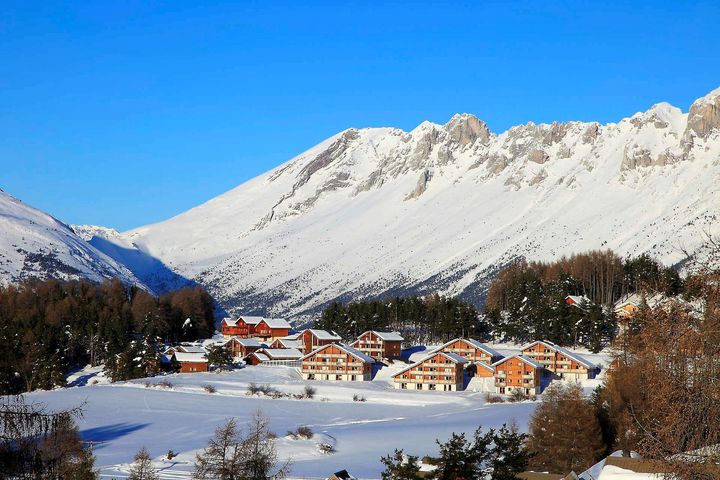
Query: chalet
pixel 190 362
pixel 337 361
pixel 287 342
pixel 518 373
pixel 579 301
pixel 275 356
pixel 442 371
pixel 311 339
pixel 561 361
pixel 471 350
pixel 341 475
pixel 379 345
pixel 241 347
pixel 247 326
pixel 628 306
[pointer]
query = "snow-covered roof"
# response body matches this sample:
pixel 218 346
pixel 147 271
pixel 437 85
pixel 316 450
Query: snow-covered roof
pixel 191 348
pixel 474 343
pixel 524 358
pixel 632 299
pixel 245 342
pixel 578 299
pixel 450 356
pixel 249 319
pixel 260 356
pixel 578 358
pixel 324 334
pixel 190 357
pixel 282 353
pixel 289 343
pixel 275 322
pixel 486 366
pixel 385 336
pixel 345 348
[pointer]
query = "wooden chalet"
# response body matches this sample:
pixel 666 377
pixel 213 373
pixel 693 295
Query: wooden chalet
pixel 483 370
pixel 518 373
pixel 560 361
pixel 443 371
pixel 184 349
pixel 337 361
pixel 311 339
pixel 287 342
pixel 260 327
pixel 579 301
pixel 275 356
pixel 242 347
pixel 191 362
pixel 471 350
pixel 379 345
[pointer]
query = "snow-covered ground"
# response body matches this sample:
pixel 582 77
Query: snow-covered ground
pixel 120 418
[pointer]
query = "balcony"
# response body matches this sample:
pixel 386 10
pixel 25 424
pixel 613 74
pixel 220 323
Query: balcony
pixel 500 384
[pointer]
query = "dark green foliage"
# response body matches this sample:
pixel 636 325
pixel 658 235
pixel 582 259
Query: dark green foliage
pixel 48 327
pixel 399 466
pixel 219 356
pixel 429 319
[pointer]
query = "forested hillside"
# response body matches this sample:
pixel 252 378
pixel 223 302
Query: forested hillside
pixel 48 327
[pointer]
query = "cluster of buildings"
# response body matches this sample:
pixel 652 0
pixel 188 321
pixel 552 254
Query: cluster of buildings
pixel 322 355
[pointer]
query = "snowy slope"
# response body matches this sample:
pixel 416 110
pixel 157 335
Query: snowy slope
pixel 380 210
pixel 34 244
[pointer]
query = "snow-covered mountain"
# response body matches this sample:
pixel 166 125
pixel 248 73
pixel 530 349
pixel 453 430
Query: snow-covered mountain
pixel 377 211
pixel 34 244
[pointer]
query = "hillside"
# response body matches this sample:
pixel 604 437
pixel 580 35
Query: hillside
pixel 382 211
pixel 34 244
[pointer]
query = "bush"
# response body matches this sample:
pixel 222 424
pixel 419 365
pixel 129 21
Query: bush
pixel 309 392
pixel 209 388
pixel 490 398
pixel 305 432
pixel 326 448
pixel 518 396
pixel 171 455
pixel 358 398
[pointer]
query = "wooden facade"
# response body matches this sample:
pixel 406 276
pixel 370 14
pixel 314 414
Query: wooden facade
pixel 241 347
pixel 518 373
pixel 379 345
pixel 312 339
pixel 337 362
pixel 190 362
pixel 441 371
pixel 560 361
pixel 471 350
pixel 247 327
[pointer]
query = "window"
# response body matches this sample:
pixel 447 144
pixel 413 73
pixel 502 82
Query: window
pixel 431 386
pixel 338 377
pixel 403 386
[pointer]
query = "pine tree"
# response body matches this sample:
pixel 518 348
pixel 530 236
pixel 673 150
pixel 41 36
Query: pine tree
pixel 142 468
pixel 219 356
pixel 508 456
pixel 399 466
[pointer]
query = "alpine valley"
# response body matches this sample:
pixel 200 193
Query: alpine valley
pixel 379 211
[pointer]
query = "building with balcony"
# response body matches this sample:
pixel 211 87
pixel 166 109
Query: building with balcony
pixel 441 371
pixel 560 361
pixel 519 373
pixel 338 362
pixel 471 350
pixel 379 345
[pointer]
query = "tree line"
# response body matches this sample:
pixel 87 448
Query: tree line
pixel 430 319
pixel 49 327
pixel 527 299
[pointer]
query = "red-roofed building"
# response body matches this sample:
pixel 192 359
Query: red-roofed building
pixel 438 371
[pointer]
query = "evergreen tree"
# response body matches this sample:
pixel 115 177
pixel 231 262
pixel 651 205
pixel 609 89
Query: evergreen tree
pixel 219 356
pixel 142 468
pixel 399 466
pixel 508 455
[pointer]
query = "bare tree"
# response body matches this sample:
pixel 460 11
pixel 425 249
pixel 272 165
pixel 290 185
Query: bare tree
pixel 230 455
pixel 142 468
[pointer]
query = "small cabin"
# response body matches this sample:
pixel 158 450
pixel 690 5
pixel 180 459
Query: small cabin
pixel 379 345
pixel 191 362
pixel 441 371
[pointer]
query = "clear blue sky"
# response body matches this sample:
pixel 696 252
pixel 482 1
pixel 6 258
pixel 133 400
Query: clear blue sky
pixel 126 113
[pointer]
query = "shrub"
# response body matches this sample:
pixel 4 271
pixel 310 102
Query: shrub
pixel 165 384
pixel 358 398
pixel 305 432
pixel 326 448
pixel 517 396
pixel 171 455
pixel 309 392
pixel 253 389
pixel 209 388
pixel 490 398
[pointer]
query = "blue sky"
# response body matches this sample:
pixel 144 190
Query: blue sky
pixel 127 113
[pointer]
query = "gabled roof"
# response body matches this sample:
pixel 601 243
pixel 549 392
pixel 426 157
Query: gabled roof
pixel 275 322
pixel 192 348
pixel 578 300
pixel 288 343
pixel 345 348
pixel 249 319
pixel 450 356
pixel 474 343
pixel 524 358
pixel 486 366
pixel 385 336
pixel 578 358
pixel 190 357
pixel 323 334
pixel 282 353
pixel 259 355
pixel 245 342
